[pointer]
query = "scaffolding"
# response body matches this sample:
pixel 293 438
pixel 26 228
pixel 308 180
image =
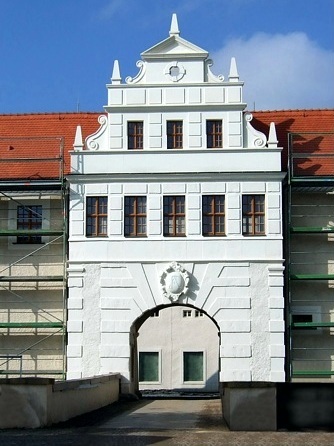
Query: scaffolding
pixel 33 243
pixel 310 256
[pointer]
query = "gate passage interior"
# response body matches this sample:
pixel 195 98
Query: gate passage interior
pixel 177 349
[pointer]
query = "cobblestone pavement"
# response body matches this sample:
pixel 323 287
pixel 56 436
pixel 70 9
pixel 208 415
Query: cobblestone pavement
pixel 157 422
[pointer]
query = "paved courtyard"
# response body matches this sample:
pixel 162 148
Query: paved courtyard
pixel 184 422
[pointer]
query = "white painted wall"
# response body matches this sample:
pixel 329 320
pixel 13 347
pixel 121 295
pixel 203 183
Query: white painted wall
pixel 170 334
pixel 28 301
pixel 312 254
pixel 236 280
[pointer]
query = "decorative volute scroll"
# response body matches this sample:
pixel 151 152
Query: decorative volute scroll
pixel 142 70
pixel 174 281
pixel 255 139
pixel 99 139
pixel 212 77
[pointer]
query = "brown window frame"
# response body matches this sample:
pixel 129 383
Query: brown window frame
pixel 135 135
pixel 211 215
pixel 252 218
pixel 29 218
pixel 214 133
pixel 132 219
pixel 174 134
pixel 95 219
pixel 172 214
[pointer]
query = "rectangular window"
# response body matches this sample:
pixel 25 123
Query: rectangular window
pixel 174 134
pixel 174 216
pixel 29 218
pixel 302 319
pixel 199 313
pixel 214 134
pixel 149 366
pixel 135 135
pixel 253 215
pixel 134 216
pixel 193 366
pixel 96 216
pixel 186 313
pixel 213 215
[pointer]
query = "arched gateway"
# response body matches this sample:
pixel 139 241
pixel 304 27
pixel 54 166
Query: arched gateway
pixel 176 199
pixel 177 348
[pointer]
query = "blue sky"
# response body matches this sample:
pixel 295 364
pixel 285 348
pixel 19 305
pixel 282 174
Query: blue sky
pixel 57 56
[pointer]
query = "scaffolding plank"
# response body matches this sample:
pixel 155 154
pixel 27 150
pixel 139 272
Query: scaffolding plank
pixel 32 372
pixel 312 276
pixel 31 324
pixel 311 324
pixel 308 229
pixel 31 278
pixel 17 232
pixel 312 373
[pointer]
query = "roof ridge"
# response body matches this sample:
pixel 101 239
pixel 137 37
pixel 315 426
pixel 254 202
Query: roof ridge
pixel 53 113
pixel 294 110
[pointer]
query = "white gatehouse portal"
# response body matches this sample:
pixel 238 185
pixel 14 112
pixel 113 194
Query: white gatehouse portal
pixel 175 202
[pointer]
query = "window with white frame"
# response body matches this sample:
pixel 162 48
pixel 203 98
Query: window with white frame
pixel 213 215
pixel 193 366
pixel 96 216
pixel 174 134
pixel 174 216
pixel 29 220
pixel 135 135
pixel 149 369
pixel 253 214
pixel 214 134
pixel 135 216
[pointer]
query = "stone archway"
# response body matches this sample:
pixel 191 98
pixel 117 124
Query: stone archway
pixel 175 347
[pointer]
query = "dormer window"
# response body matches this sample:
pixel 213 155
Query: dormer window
pixel 214 134
pixel 135 135
pixel 174 134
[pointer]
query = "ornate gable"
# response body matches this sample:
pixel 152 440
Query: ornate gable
pixel 174 46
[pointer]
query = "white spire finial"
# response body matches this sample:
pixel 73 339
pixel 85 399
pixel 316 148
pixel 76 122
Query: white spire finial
pixel 116 75
pixel 78 143
pixel 174 26
pixel 234 75
pixel 272 138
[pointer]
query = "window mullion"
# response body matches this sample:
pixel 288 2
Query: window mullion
pixel 174 215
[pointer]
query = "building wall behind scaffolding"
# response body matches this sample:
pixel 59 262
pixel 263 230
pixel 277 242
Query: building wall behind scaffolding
pixel 311 255
pixel 32 263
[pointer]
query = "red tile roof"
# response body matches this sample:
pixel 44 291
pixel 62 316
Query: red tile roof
pixel 31 145
pixel 305 126
pixel 29 137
